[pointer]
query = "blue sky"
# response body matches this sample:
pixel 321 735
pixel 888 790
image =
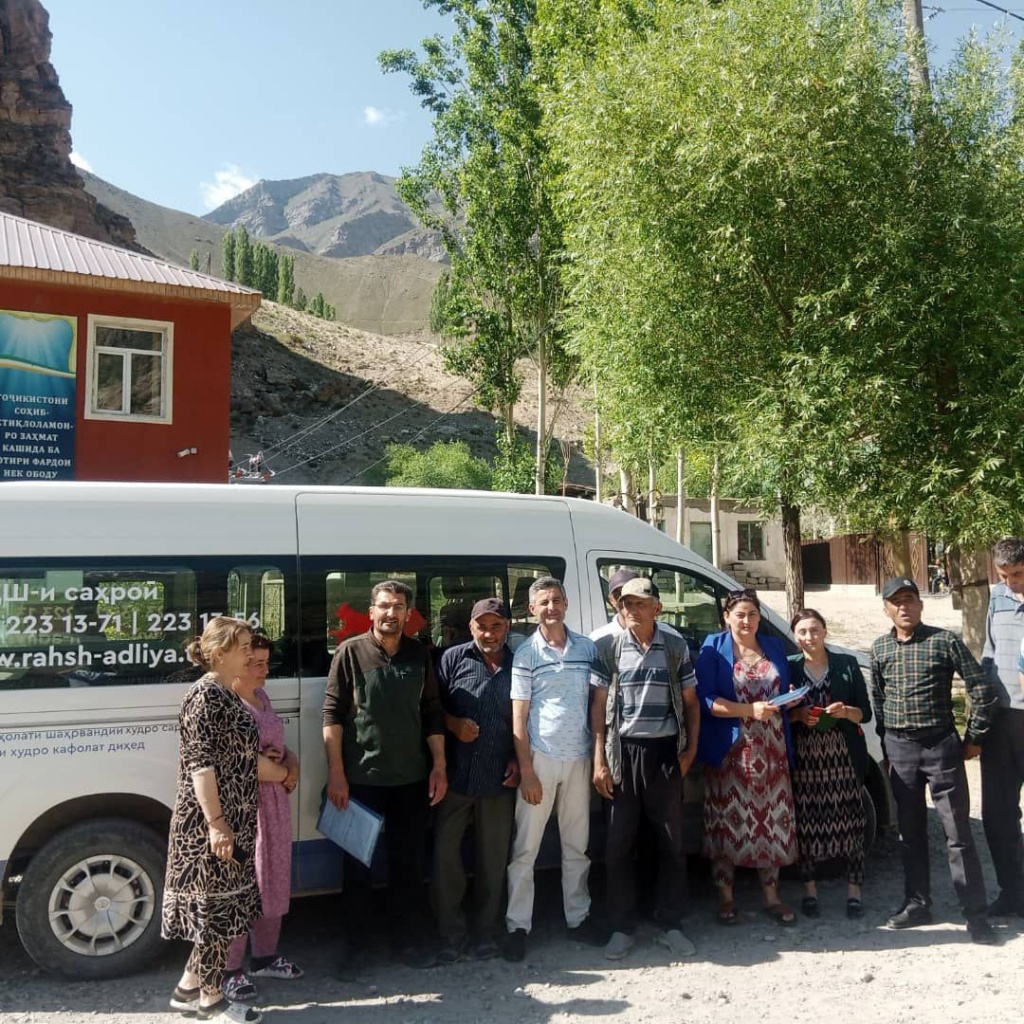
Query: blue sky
pixel 187 102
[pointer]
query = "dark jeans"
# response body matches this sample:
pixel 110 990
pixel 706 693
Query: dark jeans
pixel 1002 775
pixel 406 811
pixel 934 760
pixel 491 820
pixel 651 787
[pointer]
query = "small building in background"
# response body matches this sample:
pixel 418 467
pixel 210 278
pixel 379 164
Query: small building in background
pixel 113 365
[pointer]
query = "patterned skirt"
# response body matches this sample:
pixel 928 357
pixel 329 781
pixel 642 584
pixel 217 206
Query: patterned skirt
pixel 830 817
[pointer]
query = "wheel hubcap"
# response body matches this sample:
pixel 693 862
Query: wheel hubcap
pixel 101 905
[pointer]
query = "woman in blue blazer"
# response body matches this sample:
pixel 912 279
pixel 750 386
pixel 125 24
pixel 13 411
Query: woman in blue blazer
pixel 745 746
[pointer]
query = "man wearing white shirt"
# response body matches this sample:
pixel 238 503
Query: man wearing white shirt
pixel 552 677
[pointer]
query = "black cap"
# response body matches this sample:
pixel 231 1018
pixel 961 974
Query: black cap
pixel 490 606
pixel 896 584
pixel 620 579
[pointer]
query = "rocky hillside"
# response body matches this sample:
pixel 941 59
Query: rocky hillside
pixel 383 293
pixel 337 215
pixel 322 401
pixel 37 178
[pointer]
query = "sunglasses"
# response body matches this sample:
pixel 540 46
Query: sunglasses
pixel 737 595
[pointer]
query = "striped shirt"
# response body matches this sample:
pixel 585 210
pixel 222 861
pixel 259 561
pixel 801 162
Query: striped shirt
pixel 646 706
pixel 557 684
pixel 614 628
pixel 912 683
pixel 1004 634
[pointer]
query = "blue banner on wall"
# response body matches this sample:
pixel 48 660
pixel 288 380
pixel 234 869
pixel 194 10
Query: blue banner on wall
pixel 37 396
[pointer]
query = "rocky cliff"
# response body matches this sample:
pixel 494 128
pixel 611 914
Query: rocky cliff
pixel 37 178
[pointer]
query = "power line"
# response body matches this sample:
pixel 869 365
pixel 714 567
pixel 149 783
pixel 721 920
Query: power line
pixel 1002 10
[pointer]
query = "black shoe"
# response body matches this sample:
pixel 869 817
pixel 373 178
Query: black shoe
pixel 451 953
pixel 982 932
pixel 488 949
pixel 854 908
pixel 809 905
pixel 1005 905
pixel 588 932
pixel 414 956
pixel 910 915
pixel 515 946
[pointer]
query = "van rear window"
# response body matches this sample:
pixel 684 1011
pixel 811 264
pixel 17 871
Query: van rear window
pixel 123 622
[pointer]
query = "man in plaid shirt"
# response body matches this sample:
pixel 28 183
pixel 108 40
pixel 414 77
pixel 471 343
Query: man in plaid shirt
pixel 912 670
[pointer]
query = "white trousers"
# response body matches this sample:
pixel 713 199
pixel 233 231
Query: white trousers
pixel 565 788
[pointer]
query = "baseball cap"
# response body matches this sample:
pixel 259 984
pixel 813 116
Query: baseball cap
pixel 620 578
pixel 490 606
pixel 641 587
pixel 896 584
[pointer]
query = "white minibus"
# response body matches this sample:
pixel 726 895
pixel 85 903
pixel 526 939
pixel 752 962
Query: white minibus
pixel 100 586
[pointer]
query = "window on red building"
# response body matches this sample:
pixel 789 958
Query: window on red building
pixel 129 369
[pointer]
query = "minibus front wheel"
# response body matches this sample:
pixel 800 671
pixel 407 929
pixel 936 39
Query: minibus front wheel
pixel 88 905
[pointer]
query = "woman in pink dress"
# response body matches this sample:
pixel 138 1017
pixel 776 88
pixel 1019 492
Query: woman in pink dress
pixel 278 775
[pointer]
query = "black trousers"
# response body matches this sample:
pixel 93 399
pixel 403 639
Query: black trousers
pixel 406 811
pixel 651 787
pixel 1002 775
pixel 935 761
pixel 490 818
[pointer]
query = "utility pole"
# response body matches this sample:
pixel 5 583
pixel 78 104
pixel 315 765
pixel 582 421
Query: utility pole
pixel 917 55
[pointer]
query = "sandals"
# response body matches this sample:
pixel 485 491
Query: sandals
pixel 185 1000
pixel 782 914
pixel 278 968
pixel 223 1012
pixel 238 987
pixel 854 908
pixel 726 913
pixel 809 905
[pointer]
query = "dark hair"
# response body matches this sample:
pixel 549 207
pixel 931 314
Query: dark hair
pixel 735 597
pixel 1008 551
pixel 262 642
pixel 396 587
pixel 807 613
pixel 222 633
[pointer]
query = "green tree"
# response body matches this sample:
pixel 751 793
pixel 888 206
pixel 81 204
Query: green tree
pixel 286 280
pixel 227 255
pixel 300 300
pixel 483 183
pixel 243 257
pixel 445 464
pixel 317 306
pixel 193 260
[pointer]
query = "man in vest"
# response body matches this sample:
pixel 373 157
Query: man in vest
pixel 645 729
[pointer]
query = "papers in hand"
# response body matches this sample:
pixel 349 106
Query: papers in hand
pixel 354 829
pixel 783 700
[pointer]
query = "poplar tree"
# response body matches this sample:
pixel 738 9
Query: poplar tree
pixel 286 280
pixel 243 257
pixel 227 256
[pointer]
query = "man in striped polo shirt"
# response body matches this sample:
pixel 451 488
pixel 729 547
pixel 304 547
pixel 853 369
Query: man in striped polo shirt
pixel 1002 756
pixel 553 677
pixel 645 739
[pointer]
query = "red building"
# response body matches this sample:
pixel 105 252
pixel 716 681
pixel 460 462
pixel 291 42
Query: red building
pixel 113 365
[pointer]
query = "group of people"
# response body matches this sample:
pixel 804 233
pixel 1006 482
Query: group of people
pixel 499 741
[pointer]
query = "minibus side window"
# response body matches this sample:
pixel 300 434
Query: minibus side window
pixel 117 622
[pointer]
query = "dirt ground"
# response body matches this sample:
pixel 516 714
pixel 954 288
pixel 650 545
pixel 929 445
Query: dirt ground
pixel 830 968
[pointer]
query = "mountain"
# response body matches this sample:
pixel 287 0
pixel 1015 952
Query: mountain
pixel 337 215
pixel 385 293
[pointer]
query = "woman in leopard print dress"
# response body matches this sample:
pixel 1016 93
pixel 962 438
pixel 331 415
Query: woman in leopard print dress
pixel 210 893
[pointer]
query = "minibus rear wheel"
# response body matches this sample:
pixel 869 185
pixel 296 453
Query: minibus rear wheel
pixel 88 905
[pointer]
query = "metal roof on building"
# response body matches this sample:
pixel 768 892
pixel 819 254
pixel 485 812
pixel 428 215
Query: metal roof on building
pixel 33 251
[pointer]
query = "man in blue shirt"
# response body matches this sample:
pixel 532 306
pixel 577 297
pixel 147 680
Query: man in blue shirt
pixel 553 675
pixel 474 681
pixel 1002 754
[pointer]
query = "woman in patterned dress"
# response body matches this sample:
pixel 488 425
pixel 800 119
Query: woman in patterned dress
pixel 744 745
pixel 210 893
pixel 278 775
pixel 831 760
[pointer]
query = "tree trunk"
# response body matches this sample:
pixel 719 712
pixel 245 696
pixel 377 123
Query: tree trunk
pixel 974 597
pixel 542 415
pixel 626 485
pixel 598 466
pixel 681 496
pixel 794 556
pixel 652 505
pixel 716 518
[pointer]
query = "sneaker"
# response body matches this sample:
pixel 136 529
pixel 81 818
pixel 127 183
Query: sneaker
pixel 1006 905
pixel 910 915
pixel 618 946
pixel 414 956
pixel 982 932
pixel 675 942
pixel 515 946
pixel 486 950
pixel 280 967
pixel 238 987
pixel 588 932
pixel 854 908
pixel 185 1000
pixel 451 953
pixel 224 1012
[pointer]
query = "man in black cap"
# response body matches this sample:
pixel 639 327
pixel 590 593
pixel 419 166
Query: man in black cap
pixel 912 669
pixel 475 686
pixel 617 625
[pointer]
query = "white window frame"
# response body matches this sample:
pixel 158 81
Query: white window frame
pixel 759 523
pixel 164 327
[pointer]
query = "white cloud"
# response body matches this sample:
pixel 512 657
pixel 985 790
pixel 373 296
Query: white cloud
pixel 79 161
pixel 227 183
pixel 382 117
